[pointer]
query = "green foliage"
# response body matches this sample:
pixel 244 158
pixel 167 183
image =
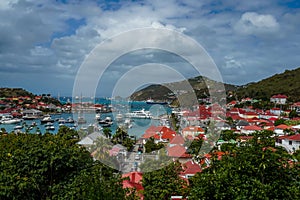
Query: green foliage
pixel 107 132
pixel 35 166
pixel 286 83
pixel 14 92
pixel 163 183
pixel 152 146
pixel 121 137
pixel 279 121
pixel 228 135
pixel 174 122
pixel 255 170
pixel 194 147
pixel 156 162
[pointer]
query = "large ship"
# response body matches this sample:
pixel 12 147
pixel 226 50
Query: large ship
pixel 142 114
pixel 151 101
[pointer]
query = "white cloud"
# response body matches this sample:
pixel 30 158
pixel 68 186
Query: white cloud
pixel 254 23
pixel 37 36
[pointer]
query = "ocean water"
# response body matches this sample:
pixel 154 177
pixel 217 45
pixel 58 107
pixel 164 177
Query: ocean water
pixel 118 106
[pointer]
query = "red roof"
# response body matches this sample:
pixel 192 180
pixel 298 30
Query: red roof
pixel 254 128
pixel 283 127
pixel 291 137
pixel 135 177
pixel 178 139
pixel 135 180
pixel 279 96
pixel 177 151
pixel 191 167
pixel 193 128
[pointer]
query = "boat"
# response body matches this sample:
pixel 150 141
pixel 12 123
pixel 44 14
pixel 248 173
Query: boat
pixel 98 116
pixel 9 119
pixel 151 101
pixel 50 128
pixel 70 120
pixel 119 117
pixel 46 119
pixel 107 122
pixel 18 127
pixel 142 114
pixel 81 120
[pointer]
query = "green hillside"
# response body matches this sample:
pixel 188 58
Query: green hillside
pixel 287 83
pixel 14 92
pixel 165 92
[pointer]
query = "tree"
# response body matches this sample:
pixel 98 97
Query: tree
pixel 163 183
pixel 107 132
pixel 195 146
pixel 279 121
pixel 151 146
pixel 255 170
pixel 48 166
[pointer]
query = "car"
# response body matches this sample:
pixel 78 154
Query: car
pixel 137 157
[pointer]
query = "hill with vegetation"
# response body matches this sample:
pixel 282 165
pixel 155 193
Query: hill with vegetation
pixel 166 92
pixel 287 83
pixel 14 92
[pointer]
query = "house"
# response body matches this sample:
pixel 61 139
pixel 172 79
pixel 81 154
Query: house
pixel 290 142
pixel 241 124
pixel 90 139
pixel 278 99
pixel 192 131
pixel 250 129
pixel 118 149
pixel 32 114
pixel 133 180
pixel 189 169
pixel 280 129
pixel 177 140
pixel 276 111
pixel 178 152
pixel 159 133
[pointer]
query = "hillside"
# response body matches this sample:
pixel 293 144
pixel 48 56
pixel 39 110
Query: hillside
pixel 165 92
pixel 14 92
pixel 287 83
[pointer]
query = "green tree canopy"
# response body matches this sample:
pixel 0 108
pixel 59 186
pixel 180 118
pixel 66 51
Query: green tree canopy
pixel 255 170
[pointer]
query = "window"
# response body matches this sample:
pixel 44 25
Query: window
pixel 290 142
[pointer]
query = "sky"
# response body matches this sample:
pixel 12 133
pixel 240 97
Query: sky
pixel 43 44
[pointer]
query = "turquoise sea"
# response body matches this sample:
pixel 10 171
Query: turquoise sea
pixel 118 106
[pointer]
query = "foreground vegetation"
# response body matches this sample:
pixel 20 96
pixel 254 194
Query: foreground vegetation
pixel 51 166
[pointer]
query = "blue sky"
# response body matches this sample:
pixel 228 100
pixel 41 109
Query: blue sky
pixel 43 43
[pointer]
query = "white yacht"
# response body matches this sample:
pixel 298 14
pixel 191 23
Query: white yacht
pixel 142 114
pixel 9 119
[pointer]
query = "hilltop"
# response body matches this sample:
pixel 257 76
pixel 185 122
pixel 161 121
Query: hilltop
pixel 287 83
pixel 14 92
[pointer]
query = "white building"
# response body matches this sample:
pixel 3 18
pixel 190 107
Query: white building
pixel 290 142
pixel 279 99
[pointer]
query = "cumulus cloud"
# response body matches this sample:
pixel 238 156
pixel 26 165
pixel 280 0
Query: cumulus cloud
pixel 54 38
pixel 254 23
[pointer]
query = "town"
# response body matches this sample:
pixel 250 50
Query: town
pixel 190 138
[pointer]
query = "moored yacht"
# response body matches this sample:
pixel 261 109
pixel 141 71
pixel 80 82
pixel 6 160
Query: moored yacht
pixel 46 119
pixel 142 114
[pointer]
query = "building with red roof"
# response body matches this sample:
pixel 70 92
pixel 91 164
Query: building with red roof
pixel 290 142
pixel 159 133
pixel 189 169
pixel 178 152
pixel 250 129
pixel 192 131
pixel 279 99
pixel 134 181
